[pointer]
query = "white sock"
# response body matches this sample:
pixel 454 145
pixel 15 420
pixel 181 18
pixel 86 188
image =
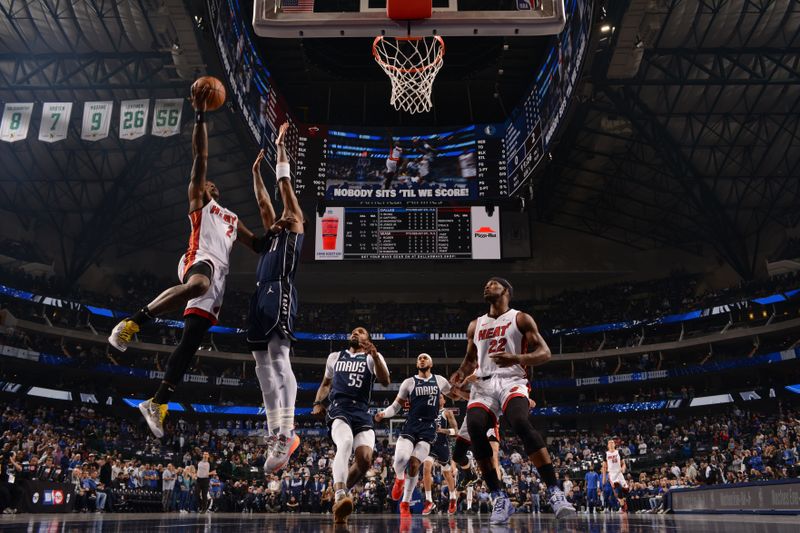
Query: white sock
pixel 428 495
pixel 469 497
pixel 453 495
pixel 269 389
pixel 408 489
pixel 286 425
pixel 342 437
pixel 279 354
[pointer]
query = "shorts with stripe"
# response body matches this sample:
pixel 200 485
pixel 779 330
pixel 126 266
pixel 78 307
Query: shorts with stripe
pixel 209 304
pixel 493 394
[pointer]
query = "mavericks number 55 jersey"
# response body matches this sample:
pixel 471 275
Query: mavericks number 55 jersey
pixel 353 375
pixel 498 335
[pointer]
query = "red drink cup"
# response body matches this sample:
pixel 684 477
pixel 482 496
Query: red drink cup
pixel 330 230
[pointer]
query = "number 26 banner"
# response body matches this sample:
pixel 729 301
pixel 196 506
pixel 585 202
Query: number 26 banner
pixel 96 120
pixel 133 118
pixel 167 117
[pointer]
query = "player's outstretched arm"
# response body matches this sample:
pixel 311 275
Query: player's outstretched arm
pixel 397 405
pixel 265 208
pixel 322 393
pixel 533 339
pixel 197 182
pixel 470 362
pixel 291 207
pixel 381 370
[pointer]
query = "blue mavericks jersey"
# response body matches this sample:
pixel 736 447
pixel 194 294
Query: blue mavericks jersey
pixel 352 378
pixel 441 423
pixel 424 399
pixel 280 257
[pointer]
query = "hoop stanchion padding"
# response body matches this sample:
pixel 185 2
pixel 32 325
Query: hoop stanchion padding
pixel 409 9
pixel 412 64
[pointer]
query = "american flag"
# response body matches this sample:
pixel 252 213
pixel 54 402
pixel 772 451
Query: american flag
pixel 297 6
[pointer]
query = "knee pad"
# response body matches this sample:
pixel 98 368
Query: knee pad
pixel 478 421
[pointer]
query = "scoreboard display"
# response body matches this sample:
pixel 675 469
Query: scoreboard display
pixel 364 233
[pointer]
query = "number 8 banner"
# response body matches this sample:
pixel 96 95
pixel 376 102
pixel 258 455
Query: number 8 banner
pixel 16 119
pixel 167 117
pixel 133 118
pixel 96 120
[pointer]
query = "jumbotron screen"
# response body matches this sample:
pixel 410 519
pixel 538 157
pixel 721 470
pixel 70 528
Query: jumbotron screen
pixel 444 232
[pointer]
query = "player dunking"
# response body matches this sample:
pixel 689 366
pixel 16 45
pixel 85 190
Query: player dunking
pixel 500 345
pixel 347 384
pixel 273 308
pixel 614 472
pixel 201 271
pixel 440 453
pixel 392 163
pixel 422 393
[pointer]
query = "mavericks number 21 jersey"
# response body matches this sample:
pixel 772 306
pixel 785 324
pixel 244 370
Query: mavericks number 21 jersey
pixel 353 375
pixel 498 335
pixel 423 396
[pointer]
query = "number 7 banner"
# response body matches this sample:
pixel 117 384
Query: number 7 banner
pixel 167 117
pixel 55 121
pixel 16 119
pixel 96 120
pixel 133 118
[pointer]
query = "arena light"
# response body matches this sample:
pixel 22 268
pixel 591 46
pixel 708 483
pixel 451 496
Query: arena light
pixel 711 400
pixel 605 28
pixel 52 394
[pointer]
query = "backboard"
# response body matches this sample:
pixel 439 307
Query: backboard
pixel 367 18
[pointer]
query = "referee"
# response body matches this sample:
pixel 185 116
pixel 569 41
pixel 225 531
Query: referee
pixel 203 472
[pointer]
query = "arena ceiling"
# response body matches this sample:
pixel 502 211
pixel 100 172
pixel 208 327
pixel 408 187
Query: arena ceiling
pixel 687 129
pixel 684 133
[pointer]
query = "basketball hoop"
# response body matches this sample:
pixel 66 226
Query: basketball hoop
pixel 412 64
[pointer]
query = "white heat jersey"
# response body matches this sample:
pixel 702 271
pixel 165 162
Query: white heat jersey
pixel 497 335
pixel 395 153
pixel 614 462
pixel 213 235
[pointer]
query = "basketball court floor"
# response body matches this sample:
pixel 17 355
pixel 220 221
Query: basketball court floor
pixel 263 523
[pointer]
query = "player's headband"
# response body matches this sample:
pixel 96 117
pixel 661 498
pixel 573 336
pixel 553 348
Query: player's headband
pixel 505 283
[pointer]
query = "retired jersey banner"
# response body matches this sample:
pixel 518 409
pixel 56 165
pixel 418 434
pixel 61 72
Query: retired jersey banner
pixel 15 123
pixel 133 118
pixel 167 117
pixel 96 120
pixel 55 121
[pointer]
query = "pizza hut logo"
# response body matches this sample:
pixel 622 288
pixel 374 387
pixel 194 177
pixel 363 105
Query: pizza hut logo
pixel 485 232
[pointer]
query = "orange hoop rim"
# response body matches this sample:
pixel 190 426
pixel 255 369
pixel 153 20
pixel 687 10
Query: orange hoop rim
pixel 436 61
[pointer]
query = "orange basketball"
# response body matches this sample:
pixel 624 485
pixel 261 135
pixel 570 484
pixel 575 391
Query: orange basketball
pixel 215 91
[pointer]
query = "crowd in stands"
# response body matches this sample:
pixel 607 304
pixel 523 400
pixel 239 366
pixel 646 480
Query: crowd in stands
pixel 111 461
pixel 608 303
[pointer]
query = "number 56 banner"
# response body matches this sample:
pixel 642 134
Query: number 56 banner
pixel 167 117
pixel 133 118
pixel 16 119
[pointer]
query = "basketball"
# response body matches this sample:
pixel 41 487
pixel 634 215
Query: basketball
pixel 215 96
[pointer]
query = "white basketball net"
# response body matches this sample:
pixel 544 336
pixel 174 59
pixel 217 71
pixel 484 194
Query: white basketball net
pixel 412 64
